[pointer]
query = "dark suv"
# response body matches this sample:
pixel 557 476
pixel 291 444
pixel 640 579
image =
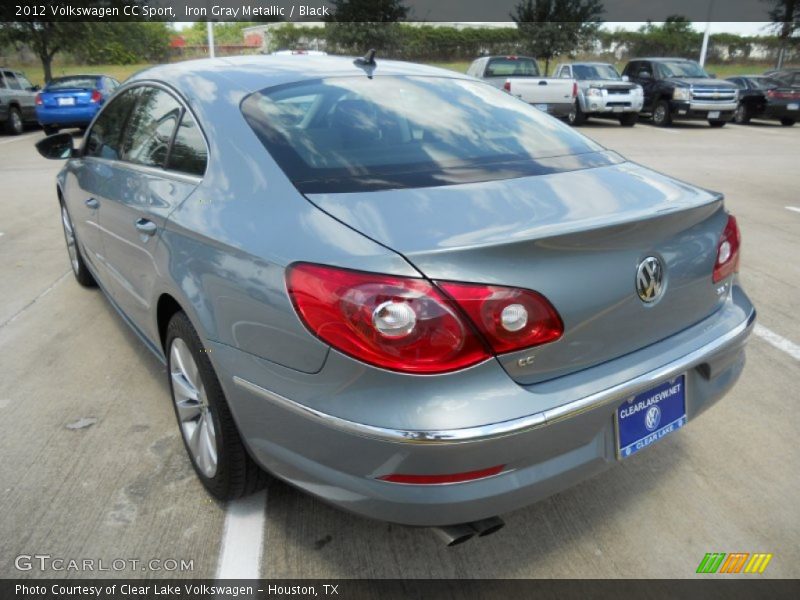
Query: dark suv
pixel 17 101
pixel 679 89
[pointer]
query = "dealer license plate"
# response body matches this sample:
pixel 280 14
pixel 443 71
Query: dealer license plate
pixel 66 101
pixel 714 114
pixel 793 107
pixel 542 107
pixel 650 415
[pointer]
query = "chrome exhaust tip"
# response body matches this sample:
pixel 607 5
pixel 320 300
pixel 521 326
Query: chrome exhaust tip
pixel 488 526
pixel 454 535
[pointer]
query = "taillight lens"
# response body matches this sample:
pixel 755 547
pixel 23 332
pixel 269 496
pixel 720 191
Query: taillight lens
pixel 509 318
pixel 728 251
pixel 410 325
pixel 397 323
pixel 575 89
pixel 96 96
pixel 507 86
pixel 38 99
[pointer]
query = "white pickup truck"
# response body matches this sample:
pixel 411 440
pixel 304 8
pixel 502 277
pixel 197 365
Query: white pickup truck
pixel 520 77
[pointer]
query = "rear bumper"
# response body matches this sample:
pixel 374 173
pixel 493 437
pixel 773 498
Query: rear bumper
pixel 780 112
pixel 80 115
pixel 340 459
pixel 560 110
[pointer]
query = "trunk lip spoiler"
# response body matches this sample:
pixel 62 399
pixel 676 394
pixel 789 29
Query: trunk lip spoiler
pixel 734 338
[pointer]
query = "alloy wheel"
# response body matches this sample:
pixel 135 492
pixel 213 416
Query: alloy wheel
pixel 194 412
pixel 16 122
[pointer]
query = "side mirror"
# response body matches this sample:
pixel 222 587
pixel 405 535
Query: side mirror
pixel 625 78
pixel 56 147
pixel 645 75
pixel 34 88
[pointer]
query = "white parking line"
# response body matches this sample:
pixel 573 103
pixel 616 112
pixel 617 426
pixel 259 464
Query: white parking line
pixel 665 130
pixel 243 538
pixel 18 138
pixel 781 343
pixel 792 208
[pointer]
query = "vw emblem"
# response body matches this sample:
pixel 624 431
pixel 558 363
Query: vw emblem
pixel 652 418
pixel 650 279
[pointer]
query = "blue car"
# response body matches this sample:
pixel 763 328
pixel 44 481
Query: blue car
pixel 72 101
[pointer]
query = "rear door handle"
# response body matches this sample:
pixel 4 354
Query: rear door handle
pixel 92 203
pixel 145 226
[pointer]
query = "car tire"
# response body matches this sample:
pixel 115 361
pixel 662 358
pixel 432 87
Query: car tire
pixel 787 122
pixel 79 268
pixel 661 114
pixel 14 125
pixel 629 119
pixel 576 117
pixel 742 115
pixel 209 432
pixel 717 123
pixel 51 129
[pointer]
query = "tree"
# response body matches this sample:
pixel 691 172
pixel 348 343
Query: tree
pixel 45 38
pixel 550 28
pixel 785 15
pixel 358 25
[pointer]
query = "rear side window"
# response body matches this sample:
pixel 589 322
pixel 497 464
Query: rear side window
pixel 11 81
pixel 105 137
pixel 188 153
pixel 512 67
pixel 150 127
pixel 347 134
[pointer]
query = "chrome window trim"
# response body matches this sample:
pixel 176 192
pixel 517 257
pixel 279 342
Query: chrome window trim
pixel 514 426
pixel 184 105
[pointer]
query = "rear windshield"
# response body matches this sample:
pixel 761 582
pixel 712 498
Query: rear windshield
pixel 511 67
pixel 765 83
pixel 355 133
pixel 73 83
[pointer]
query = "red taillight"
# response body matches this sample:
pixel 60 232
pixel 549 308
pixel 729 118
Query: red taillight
pixel 409 325
pixel 509 318
pixel 507 86
pixel 440 479
pixel 96 96
pixel 397 323
pixel 727 261
pixel 575 89
pixel 38 99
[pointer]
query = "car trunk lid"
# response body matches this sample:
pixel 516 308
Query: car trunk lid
pixel 67 97
pixel 575 237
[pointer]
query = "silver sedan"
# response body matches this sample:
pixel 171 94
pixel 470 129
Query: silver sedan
pixel 398 288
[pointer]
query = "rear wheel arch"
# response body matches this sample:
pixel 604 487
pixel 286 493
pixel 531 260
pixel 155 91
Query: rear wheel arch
pixel 166 307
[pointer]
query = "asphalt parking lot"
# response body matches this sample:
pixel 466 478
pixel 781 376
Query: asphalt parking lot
pixel 92 465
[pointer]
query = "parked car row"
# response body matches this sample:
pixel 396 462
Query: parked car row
pixel 660 89
pixel 70 101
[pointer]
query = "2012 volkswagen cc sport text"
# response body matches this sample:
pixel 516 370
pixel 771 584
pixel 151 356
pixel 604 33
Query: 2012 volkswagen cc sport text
pixel 396 287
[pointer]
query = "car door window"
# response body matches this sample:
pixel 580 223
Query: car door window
pixel 150 128
pixel 105 137
pixel 11 81
pixel 565 73
pixel 188 153
pixel 2 82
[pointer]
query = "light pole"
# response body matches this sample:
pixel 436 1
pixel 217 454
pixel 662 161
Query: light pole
pixel 704 49
pixel 210 31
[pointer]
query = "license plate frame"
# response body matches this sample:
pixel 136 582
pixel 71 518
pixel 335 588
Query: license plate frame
pixel 793 106
pixel 617 109
pixel 714 114
pixel 657 412
pixel 541 107
pixel 66 101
